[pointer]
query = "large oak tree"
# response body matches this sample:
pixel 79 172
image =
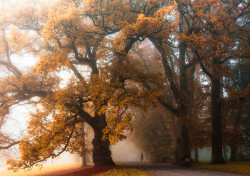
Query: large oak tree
pixel 69 37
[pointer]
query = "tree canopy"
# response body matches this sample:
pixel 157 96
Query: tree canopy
pixel 95 42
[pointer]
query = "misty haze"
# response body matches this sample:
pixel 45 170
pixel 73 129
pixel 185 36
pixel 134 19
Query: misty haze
pixel 131 87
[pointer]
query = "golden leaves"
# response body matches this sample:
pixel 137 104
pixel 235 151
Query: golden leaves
pixel 194 40
pixel 48 134
pixel 53 62
pixel 62 23
pixel 154 27
pixel 117 124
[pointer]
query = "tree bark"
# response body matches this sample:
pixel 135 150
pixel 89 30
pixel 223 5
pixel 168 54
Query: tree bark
pixel 225 153
pixel 101 150
pixel 84 156
pixel 185 145
pixel 84 159
pixel 196 153
pixel 185 104
pixel 234 149
pixel 178 151
pixel 217 157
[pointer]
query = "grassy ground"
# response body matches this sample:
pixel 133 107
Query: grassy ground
pixel 124 172
pixel 235 167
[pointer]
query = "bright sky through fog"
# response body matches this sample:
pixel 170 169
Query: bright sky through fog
pixel 20 2
pixel 19 115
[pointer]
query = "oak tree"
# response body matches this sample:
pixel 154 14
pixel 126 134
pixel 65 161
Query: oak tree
pixel 67 37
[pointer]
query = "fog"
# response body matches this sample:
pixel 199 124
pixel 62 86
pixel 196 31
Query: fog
pixel 123 151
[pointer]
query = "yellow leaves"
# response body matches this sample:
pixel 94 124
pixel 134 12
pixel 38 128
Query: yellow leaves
pixel 14 164
pixel 144 27
pixel 100 92
pixel 46 137
pixel 148 25
pixel 53 62
pixel 62 23
pixel 117 124
pixel 48 132
pixel 169 10
pixel 120 43
pixel 194 40
pixel 214 30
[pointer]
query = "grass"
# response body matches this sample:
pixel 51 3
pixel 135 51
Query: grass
pixel 124 172
pixel 235 167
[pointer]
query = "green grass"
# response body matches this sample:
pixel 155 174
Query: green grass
pixel 124 172
pixel 235 167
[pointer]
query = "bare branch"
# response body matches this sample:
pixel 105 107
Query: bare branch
pixel 9 146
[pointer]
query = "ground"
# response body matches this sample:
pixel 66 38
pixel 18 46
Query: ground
pixel 156 170
pixel 171 170
pixel 242 167
pixel 189 172
pixel 48 170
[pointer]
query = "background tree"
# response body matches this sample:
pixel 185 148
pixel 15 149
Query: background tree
pixel 154 133
pixel 237 118
pixel 225 40
pixel 200 28
pixel 177 71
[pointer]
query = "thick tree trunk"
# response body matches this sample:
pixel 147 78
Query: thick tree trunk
pixel 183 151
pixel 185 148
pixel 180 95
pixel 84 156
pixel 184 103
pixel 234 149
pixel 225 153
pixel 196 155
pixel 217 157
pixel 84 160
pixel 101 150
pixel 178 151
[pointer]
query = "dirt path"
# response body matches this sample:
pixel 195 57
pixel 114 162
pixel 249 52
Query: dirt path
pixel 171 170
pixel 153 169
pixel 188 172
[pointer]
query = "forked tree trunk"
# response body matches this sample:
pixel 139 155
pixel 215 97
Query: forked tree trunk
pixel 217 157
pixel 101 150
